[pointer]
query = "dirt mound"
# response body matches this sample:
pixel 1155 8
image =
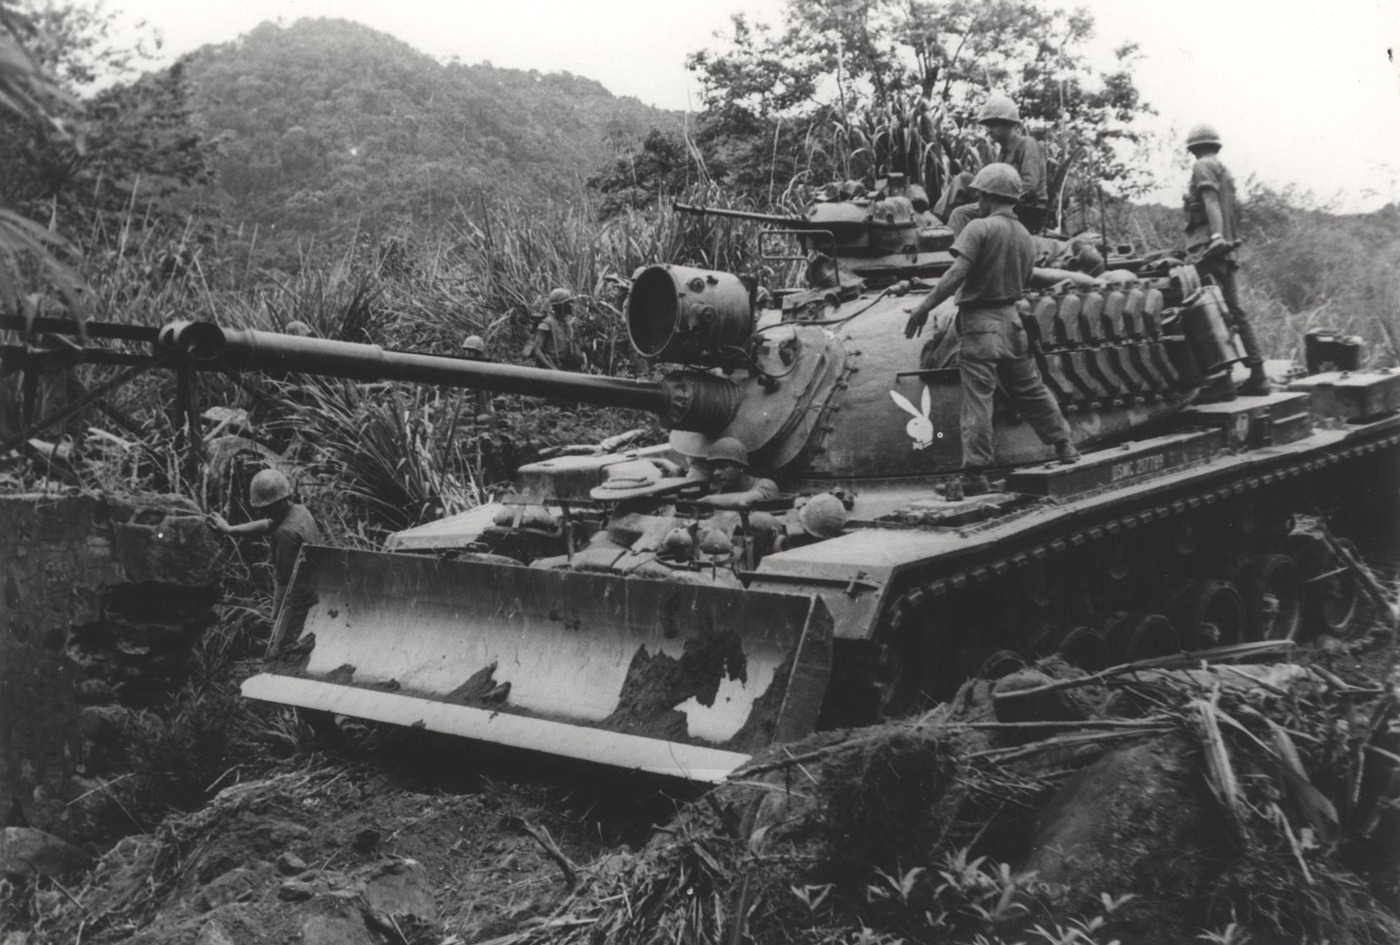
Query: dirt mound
pixel 1243 802
pixel 328 853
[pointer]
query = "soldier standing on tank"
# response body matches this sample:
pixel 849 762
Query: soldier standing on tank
pixel 1212 234
pixel 992 265
pixel 1002 119
pixel 287 524
pixel 553 346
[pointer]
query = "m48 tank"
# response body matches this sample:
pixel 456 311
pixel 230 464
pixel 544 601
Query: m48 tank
pixel 603 611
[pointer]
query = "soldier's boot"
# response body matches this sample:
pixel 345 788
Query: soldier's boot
pixel 1066 453
pixel 1258 384
pixel 975 484
pixel 1217 389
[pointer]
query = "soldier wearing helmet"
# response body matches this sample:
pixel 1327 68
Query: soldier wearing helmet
pixel 553 345
pixel 992 266
pixel 287 524
pixel 300 329
pixel 474 349
pixel 1002 119
pixel 1211 235
pixel 735 486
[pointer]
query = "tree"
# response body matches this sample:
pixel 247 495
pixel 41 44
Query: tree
pixel 124 160
pixel 638 177
pixel 29 99
pixel 865 87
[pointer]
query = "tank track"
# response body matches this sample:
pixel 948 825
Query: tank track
pixel 1215 559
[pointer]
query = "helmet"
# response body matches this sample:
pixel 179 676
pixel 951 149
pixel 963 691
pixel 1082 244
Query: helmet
pixel 716 543
pixel 1089 260
pixel 823 516
pixel 560 296
pixel 267 487
pixel 678 543
pixel 474 343
pixel 764 526
pixel 999 108
pixel 298 328
pixel 728 449
pixel 998 179
pixel 1202 134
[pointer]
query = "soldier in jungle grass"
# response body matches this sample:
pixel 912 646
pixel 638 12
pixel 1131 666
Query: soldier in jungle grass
pixel 553 346
pixel 287 524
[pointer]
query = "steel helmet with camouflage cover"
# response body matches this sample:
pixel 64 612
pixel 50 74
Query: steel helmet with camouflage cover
pixel 1001 180
pixel 267 487
pixel 560 296
pixel 1202 133
pixel 474 343
pixel 999 108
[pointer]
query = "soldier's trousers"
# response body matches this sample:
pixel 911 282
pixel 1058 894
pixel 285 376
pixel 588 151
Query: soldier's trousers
pixel 1223 273
pixel 993 346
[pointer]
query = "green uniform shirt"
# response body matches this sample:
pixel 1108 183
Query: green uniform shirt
pixel 559 342
pixel 1208 173
pixel 296 529
pixel 1024 153
pixel 1001 253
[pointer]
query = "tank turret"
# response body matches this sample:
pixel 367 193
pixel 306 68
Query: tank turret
pixel 850 234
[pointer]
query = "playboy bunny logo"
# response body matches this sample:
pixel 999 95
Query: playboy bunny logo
pixel 920 429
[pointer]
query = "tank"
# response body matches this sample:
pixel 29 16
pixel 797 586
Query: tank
pixel 602 611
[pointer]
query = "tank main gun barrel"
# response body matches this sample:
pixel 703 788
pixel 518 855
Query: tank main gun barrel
pixel 685 400
pixel 794 222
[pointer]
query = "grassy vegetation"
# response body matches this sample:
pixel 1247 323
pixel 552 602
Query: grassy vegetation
pixel 1303 268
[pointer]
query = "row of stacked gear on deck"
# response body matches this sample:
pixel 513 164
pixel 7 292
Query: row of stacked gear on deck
pixel 702 529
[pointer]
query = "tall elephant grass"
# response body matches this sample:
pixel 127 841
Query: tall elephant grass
pixel 390 456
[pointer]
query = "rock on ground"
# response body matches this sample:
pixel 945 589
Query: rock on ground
pixel 1138 820
pixel 28 852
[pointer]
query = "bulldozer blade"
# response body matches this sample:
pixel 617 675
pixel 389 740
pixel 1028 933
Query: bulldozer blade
pixel 684 679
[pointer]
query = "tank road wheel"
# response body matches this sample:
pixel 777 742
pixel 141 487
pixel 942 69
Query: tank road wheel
pixel 1278 525
pixel 1037 583
pixel 1184 537
pixel 1118 561
pixel 1079 646
pixel 1208 614
pixel 1140 636
pixel 1002 663
pixel 1329 589
pixel 1272 589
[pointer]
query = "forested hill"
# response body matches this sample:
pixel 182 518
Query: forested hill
pixel 326 125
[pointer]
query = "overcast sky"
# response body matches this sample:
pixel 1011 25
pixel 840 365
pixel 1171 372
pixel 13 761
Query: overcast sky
pixel 1301 90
